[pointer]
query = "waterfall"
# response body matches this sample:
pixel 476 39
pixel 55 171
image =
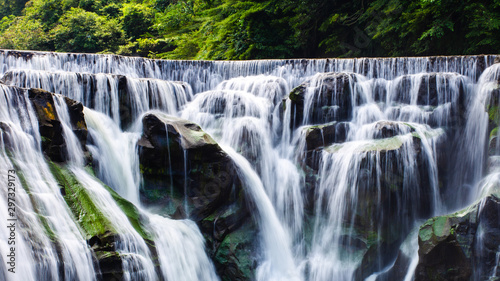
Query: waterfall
pixel 179 244
pixel 50 245
pixel 341 161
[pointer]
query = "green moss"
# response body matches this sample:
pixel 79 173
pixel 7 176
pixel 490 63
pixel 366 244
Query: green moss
pixel 311 128
pixel 441 226
pixel 493 114
pixel 296 93
pixel 494 133
pixel 429 134
pixel 44 139
pixel 237 249
pixel 90 218
pixel 372 238
pixel 386 144
pixel 131 212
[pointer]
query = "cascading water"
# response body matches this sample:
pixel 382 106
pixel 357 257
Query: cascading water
pixel 106 93
pixel 42 213
pixel 342 158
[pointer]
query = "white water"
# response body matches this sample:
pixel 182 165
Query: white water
pixel 244 114
pixel 102 92
pixel 39 200
pixel 179 244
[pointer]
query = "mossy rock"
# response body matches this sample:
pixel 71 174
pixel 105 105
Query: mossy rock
pixel 95 226
pixel 387 201
pixel 91 219
pixel 236 256
pixel 450 247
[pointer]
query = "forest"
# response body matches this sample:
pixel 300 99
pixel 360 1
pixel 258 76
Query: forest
pixel 255 29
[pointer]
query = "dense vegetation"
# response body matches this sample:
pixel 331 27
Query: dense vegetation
pixel 254 29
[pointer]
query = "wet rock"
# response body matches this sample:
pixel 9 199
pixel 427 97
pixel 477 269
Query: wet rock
pixel 178 150
pixel 99 232
pixel 389 196
pixel 398 271
pixel 5 132
pixel 330 99
pixel 460 246
pixel 327 134
pixel 389 129
pixel 235 258
pixel 187 174
pixel 53 143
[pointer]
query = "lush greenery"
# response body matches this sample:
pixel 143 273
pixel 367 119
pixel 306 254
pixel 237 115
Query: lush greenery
pixel 231 29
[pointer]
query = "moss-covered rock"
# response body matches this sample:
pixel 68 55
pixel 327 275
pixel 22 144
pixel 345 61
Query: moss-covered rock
pixel 460 246
pixel 235 258
pixel 96 228
pixel 325 134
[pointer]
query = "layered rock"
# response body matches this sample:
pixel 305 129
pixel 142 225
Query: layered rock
pixel 187 174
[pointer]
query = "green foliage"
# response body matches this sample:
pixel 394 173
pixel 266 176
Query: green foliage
pixel 21 33
pixel 137 19
pixel 253 29
pixel 82 31
pixel 11 7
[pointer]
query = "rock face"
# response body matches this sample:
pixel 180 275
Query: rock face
pixel 188 175
pixel 325 98
pixel 431 88
pixel 386 200
pixel 389 193
pixel 460 246
pixel 101 237
pixel 53 144
pixel 325 135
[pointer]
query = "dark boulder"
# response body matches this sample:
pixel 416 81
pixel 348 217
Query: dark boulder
pixel 53 143
pixel 330 99
pixel 460 246
pixel 325 135
pixel 187 174
pixel 178 150
pixel 389 194
pixel 398 271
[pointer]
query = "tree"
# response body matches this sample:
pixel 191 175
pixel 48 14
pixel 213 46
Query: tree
pixel 22 33
pixel 137 19
pixel 81 31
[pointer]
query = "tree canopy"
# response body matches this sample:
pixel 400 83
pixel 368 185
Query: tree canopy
pixel 253 29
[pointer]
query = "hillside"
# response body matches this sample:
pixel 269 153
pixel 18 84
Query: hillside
pixel 234 30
